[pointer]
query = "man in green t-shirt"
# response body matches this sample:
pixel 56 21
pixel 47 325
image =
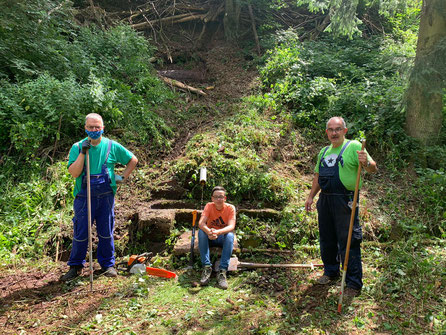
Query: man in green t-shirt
pixel 104 154
pixel 335 176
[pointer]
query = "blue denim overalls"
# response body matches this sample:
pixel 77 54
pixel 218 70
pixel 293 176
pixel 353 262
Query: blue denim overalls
pixel 102 211
pixel 334 212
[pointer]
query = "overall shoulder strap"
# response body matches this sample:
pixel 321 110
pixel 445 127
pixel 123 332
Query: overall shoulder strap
pixel 340 159
pixel 343 148
pixel 323 154
pixel 108 150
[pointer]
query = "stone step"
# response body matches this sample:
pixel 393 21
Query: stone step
pixel 172 204
pixel 155 225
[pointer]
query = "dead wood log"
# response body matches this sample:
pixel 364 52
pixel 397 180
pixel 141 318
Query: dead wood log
pixel 190 18
pixel 142 25
pixel 182 86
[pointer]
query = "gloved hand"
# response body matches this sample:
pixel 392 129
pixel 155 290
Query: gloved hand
pixel 119 179
pixel 85 146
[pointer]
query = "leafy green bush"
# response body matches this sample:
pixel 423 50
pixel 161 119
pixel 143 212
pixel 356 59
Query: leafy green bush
pixel 32 211
pixel 54 78
pixel 361 80
pixel 431 189
pixel 234 157
pixel 33 37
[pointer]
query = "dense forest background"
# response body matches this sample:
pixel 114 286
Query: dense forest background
pixel 259 80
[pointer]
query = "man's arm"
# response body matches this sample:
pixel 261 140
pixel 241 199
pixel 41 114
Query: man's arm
pixel 315 188
pixel 202 224
pixel 76 168
pixel 130 167
pixel 229 228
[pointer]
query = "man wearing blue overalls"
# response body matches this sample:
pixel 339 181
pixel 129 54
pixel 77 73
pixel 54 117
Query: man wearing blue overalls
pixel 104 154
pixel 335 176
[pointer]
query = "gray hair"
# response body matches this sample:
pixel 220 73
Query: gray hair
pixel 339 118
pixel 94 116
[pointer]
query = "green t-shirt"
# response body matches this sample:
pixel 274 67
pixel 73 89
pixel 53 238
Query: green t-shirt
pixel 118 154
pixel 349 171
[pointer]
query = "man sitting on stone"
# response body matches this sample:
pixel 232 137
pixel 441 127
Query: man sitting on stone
pixel 217 224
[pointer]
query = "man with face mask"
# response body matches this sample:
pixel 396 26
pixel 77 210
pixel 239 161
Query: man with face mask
pixel 104 154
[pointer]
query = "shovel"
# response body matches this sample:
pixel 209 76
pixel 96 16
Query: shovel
pixel 192 241
pixel 234 265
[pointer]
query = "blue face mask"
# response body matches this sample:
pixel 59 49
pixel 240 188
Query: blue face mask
pixel 94 135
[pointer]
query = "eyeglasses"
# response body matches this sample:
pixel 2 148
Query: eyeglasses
pixel 337 130
pixel 220 197
pixel 93 127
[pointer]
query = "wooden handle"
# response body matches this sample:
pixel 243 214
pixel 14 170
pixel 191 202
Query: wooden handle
pixel 90 240
pixel 194 218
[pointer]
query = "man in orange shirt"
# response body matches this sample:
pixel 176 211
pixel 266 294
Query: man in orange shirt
pixel 217 224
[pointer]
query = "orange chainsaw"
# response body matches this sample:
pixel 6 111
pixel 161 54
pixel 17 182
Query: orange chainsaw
pixel 143 260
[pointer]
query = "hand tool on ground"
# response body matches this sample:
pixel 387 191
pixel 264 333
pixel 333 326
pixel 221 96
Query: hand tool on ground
pixel 142 259
pixel 90 240
pixel 192 240
pixel 234 265
pixel 350 231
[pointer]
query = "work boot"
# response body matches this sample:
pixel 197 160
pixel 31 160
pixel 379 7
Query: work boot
pixel 221 279
pixel 206 275
pixel 109 272
pixel 352 292
pixel 75 271
pixel 325 280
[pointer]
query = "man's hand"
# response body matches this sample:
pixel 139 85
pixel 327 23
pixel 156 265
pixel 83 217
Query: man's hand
pixel 308 204
pixel 213 234
pixel 362 157
pixel 119 179
pixel 85 146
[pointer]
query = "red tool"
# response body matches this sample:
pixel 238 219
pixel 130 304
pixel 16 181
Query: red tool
pixel 143 259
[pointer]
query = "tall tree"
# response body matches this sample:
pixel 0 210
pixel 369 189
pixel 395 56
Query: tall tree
pixel 424 97
pixel 427 82
pixel 231 19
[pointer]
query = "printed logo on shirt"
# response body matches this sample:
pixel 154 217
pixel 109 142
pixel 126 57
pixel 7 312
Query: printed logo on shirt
pixel 330 160
pixel 218 223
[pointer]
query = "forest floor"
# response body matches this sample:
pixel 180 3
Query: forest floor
pixel 270 301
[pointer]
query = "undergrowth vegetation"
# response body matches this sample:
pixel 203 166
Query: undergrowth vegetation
pixel 56 72
pixel 236 153
pixel 51 76
pixel 364 81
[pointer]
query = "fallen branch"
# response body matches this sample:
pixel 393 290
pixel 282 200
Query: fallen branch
pixel 182 86
pixel 172 19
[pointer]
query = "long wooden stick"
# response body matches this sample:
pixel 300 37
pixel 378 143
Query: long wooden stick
pixel 289 266
pixel 90 240
pixel 350 231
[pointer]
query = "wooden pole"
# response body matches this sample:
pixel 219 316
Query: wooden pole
pixel 90 240
pixel 350 231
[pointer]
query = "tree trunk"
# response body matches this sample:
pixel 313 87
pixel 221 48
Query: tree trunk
pixel 231 20
pixel 424 96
